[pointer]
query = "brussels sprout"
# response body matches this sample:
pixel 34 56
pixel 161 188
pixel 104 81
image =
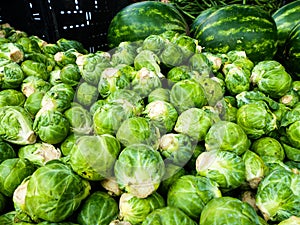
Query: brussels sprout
pixel 178 73
pixel 194 122
pixel 268 146
pixel 59 98
pixel 291 153
pixel 50 48
pixel 125 53
pixel 199 63
pixel 48 61
pixel 98 208
pixel 135 210
pixel 32 84
pixel 86 94
pixel 37 69
pixel 155 43
pixel 33 103
pixel 6 151
pixel 135 130
pixel 278 195
pixel 113 78
pixel 191 193
pixel 149 60
pixel 186 94
pixel 172 55
pixel 11 75
pixel 291 116
pixel 293 220
pixel 56 190
pixel 228 210
pixel 79 119
pixel 11 97
pixel 67 144
pixel 50 223
pixel 39 153
pixel 176 148
pixel 12 51
pixel 290 99
pixel 271 78
pixel 159 94
pixel 108 118
pixel 256 120
pixel 88 151
pixel 255 168
pixel 188 45
pixel 13 171
pixel 16 126
pixel 213 91
pixel 139 170
pixel 227 110
pixel 51 126
pixel 111 186
pixel 168 215
pixel 293 134
pixel 169 35
pixel 118 222
pixel 66 44
pixel 228 136
pixel 224 167
pixel 145 81
pixel 38 40
pixel 54 77
pixel 214 60
pixel 91 66
pixel 8 218
pixel 97 105
pixel 70 74
pixel 162 114
pixel 64 58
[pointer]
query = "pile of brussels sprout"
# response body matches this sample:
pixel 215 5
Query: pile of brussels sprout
pixel 156 131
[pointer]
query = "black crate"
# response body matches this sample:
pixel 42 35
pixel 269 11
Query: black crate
pixel 86 21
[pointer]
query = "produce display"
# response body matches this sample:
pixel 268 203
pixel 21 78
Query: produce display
pixel 175 125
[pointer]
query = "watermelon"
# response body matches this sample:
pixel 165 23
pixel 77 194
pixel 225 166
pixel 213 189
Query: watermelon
pixel 286 18
pixel 139 20
pixel 292 51
pixel 239 27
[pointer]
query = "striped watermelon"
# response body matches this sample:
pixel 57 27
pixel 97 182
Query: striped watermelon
pixel 239 27
pixel 139 20
pixel 286 18
pixel 292 51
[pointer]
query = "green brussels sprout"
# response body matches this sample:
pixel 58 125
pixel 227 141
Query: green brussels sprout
pixel 224 167
pixel 16 125
pixel 51 126
pixel 32 84
pixel 195 123
pixel 113 78
pixel 176 148
pixel 256 120
pixel 138 130
pixel 118 222
pixel 155 43
pixel 226 136
pixel 145 81
pixel 199 63
pixel 172 55
pixel 168 215
pixel 255 168
pixel 169 35
pixel 111 186
pixel 124 53
pixel 33 103
pixel 39 40
pixel 39 153
pixel 290 99
pixel 274 164
pixel 97 105
pixel 6 151
pixel 291 153
pixel 149 60
pixel 91 66
pixel 70 74
pixel 108 118
pixel 8 218
pixel 139 170
pixel 186 94
pixel 278 195
pixel 271 78
pixel 227 110
pixel 79 118
pixel 228 210
pixel 293 220
pixel 67 144
pixel 86 94
pixel 234 55
pixel 54 77
pixel 178 73
pixel 268 146
pixel 162 114
pixel 98 208
pixel 291 116
pixel 51 223
pixel 88 151
pixel 159 94
pixel 11 97
pixel 130 100
pixel 12 51
pixel 187 44
pixel 37 69
pixel 47 60
pixel 59 98
pixel 50 48
pixel 11 75
pixel 64 58
pixel 293 134
pixel 237 79
pixel 135 210
pixel 13 171
pixel 56 190
pixel 191 193
pixel 66 44
pixel 213 91
pixel 214 60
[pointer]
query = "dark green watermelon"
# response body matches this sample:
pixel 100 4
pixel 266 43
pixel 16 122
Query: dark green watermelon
pixel 139 20
pixel 239 27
